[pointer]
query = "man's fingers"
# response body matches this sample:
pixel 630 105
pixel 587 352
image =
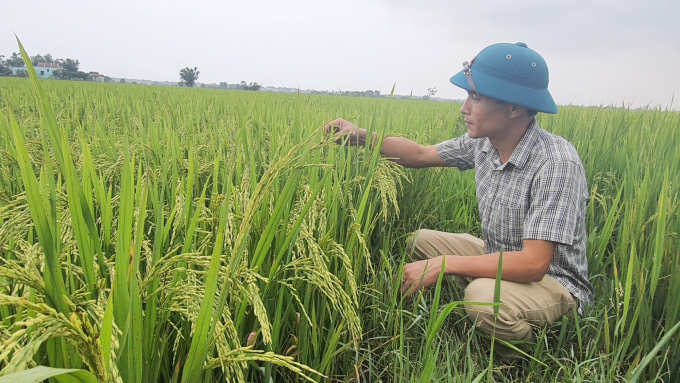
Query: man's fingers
pixel 341 129
pixel 408 290
pixel 405 283
pixel 409 287
pixel 333 128
pixel 404 287
pixel 414 278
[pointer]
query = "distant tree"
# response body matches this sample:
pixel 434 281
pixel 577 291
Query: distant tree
pixel 36 59
pixel 253 86
pixel 431 92
pixel 122 81
pixel 15 60
pixel 189 76
pixel 41 59
pixel 22 73
pixel 69 65
pixel 68 75
pixel 107 79
pixel 5 70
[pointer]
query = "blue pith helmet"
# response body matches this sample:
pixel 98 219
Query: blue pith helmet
pixel 509 72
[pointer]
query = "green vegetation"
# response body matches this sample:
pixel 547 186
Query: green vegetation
pixel 69 66
pixel 152 234
pixel 188 76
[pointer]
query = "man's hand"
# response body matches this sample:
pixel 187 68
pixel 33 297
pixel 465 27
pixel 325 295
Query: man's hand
pixel 339 128
pixel 419 275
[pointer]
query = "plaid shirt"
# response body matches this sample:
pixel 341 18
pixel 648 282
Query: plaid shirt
pixel 539 193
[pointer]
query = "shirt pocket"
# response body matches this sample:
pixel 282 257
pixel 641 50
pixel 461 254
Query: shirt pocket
pixel 508 226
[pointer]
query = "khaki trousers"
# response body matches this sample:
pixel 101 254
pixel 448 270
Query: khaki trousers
pixel 523 304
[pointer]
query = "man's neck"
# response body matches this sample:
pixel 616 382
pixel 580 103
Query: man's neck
pixel 512 135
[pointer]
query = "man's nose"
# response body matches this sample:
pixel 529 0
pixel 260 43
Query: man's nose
pixel 464 109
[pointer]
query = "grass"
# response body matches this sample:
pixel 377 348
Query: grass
pixel 155 234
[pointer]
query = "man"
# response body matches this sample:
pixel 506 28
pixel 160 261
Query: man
pixel 531 191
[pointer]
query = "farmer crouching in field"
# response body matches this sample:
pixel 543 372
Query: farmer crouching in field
pixel 531 191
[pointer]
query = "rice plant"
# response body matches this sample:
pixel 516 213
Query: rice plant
pixel 153 234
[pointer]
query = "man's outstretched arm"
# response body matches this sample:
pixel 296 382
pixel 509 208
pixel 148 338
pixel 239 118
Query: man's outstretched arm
pixel 403 151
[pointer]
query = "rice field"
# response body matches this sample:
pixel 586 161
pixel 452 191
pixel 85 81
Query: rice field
pixel 152 234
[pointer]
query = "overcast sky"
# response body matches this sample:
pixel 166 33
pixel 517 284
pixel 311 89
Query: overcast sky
pixel 598 52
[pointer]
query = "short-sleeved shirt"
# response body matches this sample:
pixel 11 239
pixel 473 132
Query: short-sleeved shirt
pixel 539 193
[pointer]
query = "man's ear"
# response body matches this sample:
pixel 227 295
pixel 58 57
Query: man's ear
pixel 516 111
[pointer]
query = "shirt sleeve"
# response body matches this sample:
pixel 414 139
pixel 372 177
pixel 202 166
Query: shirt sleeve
pixel 556 196
pixel 458 152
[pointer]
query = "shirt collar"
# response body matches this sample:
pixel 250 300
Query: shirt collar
pixel 486 146
pixel 520 155
pixel 522 152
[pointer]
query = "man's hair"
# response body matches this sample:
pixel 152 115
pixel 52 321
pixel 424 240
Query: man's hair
pixel 530 112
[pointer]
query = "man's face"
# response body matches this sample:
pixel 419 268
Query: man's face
pixel 485 117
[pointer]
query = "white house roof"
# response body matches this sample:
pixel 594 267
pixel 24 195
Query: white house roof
pixel 49 65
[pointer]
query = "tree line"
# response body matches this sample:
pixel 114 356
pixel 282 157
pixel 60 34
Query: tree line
pixel 188 77
pixel 70 67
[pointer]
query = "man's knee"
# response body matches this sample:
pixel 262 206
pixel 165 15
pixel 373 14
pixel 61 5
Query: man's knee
pixel 417 243
pixel 480 290
pixel 411 242
pixel 509 325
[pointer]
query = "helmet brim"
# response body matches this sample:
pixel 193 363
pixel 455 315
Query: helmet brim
pixel 528 97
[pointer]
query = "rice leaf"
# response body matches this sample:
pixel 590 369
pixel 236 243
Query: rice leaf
pixel 40 373
pixel 639 369
pixel 200 341
pixel 107 331
pixel 54 281
pixel 497 287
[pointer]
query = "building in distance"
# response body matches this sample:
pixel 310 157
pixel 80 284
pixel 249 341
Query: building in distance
pixel 44 70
